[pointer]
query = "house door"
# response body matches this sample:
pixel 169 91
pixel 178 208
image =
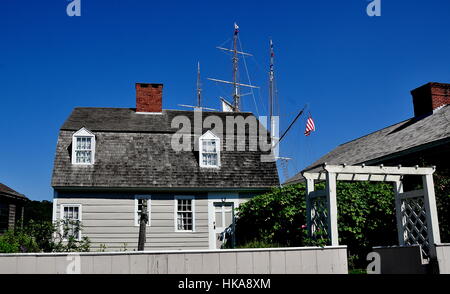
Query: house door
pixel 223 223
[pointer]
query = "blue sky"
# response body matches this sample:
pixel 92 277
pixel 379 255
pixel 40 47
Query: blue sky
pixel 354 71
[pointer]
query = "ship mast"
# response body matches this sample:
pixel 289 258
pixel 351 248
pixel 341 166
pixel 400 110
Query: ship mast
pixel 235 79
pixel 236 94
pixel 271 91
pixel 199 94
pixel 199 89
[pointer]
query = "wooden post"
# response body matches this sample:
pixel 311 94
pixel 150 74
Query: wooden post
pixel 143 225
pixel 332 209
pixel 309 189
pixel 431 211
pixel 398 188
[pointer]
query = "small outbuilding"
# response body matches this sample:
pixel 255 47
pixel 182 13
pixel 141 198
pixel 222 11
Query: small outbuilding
pixel 11 207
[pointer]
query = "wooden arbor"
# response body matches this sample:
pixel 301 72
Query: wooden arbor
pixel 416 212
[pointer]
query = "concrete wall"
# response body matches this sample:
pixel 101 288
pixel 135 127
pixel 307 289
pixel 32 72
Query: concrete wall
pixel 401 260
pixel 443 257
pixel 300 260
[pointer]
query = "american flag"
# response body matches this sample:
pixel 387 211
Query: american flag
pixel 309 126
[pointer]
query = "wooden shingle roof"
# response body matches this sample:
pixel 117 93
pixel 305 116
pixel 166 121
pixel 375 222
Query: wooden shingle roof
pixel 6 191
pixel 134 151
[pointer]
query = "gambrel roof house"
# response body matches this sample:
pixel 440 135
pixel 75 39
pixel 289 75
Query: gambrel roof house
pixel 109 159
pixel 424 137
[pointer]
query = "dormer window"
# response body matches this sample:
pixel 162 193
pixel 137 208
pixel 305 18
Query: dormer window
pixel 209 146
pixel 83 147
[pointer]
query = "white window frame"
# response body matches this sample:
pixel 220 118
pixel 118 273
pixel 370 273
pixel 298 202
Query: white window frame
pixel 192 198
pixel 209 136
pixel 149 210
pixel 83 133
pixel 61 217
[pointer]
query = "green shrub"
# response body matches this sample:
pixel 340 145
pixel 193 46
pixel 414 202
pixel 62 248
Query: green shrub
pixel 259 244
pixel 273 218
pixel 43 237
pixel 442 190
pixel 366 217
pixel 17 242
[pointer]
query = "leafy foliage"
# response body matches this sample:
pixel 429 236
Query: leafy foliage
pixel 366 217
pixel 15 242
pixel 43 237
pixel 442 190
pixel 259 244
pixel 273 218
pixel 38 211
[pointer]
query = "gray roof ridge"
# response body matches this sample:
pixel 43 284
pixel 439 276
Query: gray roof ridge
pixel 181 110
pixel 96 107
pixel 414 118
pixel 366 135
pixel 212 111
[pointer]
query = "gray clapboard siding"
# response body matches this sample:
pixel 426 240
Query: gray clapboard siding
pixel 109 221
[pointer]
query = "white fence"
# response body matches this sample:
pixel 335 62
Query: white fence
pixel 298 260
pixel 443 258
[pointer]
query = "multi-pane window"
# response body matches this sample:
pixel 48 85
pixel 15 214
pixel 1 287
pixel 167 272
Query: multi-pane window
pixel 139 206
pixel 71 221
pixel 83 150
pixel 209 150
pixel 83 147
pixel 185 215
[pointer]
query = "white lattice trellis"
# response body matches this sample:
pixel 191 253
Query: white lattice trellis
pixel 414 225
pixel 319 217
pixel 415 210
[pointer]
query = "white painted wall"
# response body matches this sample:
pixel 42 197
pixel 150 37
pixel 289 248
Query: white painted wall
pixel 300 260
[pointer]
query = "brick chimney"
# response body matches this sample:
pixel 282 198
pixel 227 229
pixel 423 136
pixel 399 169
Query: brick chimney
pixel 429 97
pixel 149 97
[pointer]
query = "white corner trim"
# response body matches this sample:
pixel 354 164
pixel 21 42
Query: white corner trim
pixel 55 206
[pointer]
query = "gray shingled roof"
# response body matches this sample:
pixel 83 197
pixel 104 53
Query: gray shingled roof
pixel 134 151
pixel 8 192
pixel 392 140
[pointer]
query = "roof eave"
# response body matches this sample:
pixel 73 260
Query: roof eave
pixel 162 189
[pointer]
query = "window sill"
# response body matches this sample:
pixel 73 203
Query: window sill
pixel 212 167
